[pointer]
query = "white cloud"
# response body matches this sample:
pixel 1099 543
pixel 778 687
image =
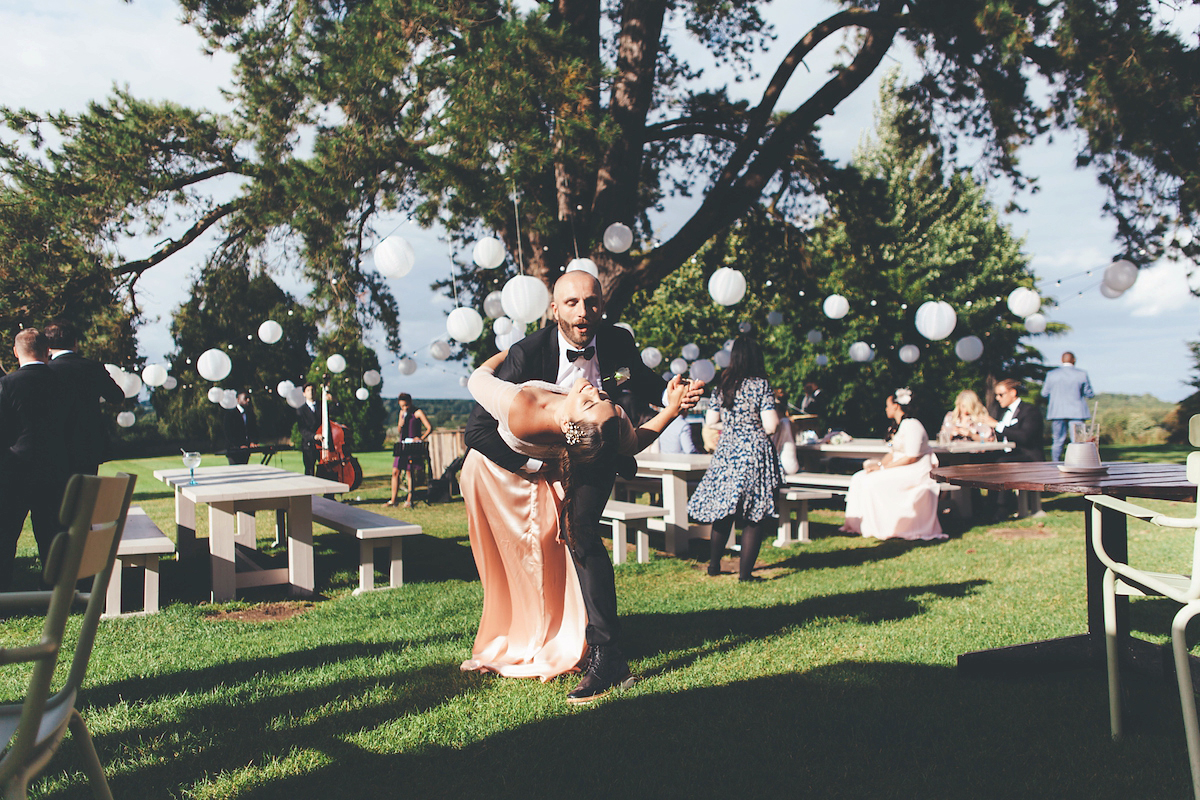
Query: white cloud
pixel 1160 289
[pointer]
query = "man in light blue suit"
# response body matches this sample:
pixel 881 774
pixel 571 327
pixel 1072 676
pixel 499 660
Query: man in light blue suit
pixel 1068 389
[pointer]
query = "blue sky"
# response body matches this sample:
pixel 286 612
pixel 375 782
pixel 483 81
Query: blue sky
pixel 59 54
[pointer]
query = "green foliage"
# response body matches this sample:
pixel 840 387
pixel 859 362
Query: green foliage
pixel 365 419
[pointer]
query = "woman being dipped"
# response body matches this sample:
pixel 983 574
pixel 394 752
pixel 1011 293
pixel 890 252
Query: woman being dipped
pixel 409 458
pixel 533 621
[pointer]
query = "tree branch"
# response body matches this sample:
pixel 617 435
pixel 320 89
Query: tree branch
pixel 173 246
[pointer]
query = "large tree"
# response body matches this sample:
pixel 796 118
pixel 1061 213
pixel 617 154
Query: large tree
pixel 548 121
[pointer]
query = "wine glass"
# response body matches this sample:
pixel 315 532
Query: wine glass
pixel 191 461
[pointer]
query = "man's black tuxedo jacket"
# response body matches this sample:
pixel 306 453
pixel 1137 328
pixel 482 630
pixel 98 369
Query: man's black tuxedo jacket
pixel 309 422
pixel 1026 434
pixel 84 382
pixel 536 358
pixel 239 432
pixel 32 436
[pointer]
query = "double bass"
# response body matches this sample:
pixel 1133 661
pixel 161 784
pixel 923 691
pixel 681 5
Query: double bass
pixel 335 462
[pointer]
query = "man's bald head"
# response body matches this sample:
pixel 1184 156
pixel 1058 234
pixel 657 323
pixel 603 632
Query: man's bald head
pixel 30 345
pixel 577 305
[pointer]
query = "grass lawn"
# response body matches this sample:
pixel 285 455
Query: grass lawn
pixel 833 678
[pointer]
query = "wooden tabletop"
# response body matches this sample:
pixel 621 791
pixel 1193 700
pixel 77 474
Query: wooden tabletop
pixel 881 446
pixel 1122 479
pixel 245 482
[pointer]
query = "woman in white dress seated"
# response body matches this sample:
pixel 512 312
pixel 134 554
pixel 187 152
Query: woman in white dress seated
pixel 895 497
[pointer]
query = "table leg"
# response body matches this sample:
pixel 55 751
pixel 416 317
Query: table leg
pixel 247 535
pixel 185 525
pixel 675 499
pixel 300 545
pixel 222 531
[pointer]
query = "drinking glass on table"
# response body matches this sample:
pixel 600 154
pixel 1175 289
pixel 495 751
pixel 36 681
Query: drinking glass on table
pixel 191 461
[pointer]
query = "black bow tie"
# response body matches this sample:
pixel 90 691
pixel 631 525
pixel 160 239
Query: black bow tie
pixel 586 354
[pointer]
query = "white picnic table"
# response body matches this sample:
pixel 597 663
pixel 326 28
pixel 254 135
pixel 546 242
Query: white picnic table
pixel 873 448
pixel 675 470
pixel 233 494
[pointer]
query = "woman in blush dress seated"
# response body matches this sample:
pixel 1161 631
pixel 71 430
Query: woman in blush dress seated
pixel 968 420
pixel 533 621
pixel 895 497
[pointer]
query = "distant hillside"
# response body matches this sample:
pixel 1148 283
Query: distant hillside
pixel 1133 419
pixel 441 413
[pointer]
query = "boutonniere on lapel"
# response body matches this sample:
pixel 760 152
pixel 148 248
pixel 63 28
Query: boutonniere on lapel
pixel 619 377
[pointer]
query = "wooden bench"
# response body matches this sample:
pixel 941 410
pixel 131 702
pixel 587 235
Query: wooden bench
pixel 629 489
pixel 372 530
pixel 623 516
pixel 142 545
pixel 793 501
pixel 818 482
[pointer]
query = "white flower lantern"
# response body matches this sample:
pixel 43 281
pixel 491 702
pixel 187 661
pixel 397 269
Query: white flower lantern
pixel 464 324
pixel 690 351
pixel 1035 323
pixel 678 366
pixel 909 353
pixel 721 358
pixel 861 352
pixel 704 370
pixel 296 398
pixel 969 348
pixel 440 350
pixel 836 306
pixel 154 375
pixel 214 365
pixel 1110 292
pixel 727 286
pixel 228 399
pixel 406 366
pixel 394 257
pixel 336 363
pixel 652 357
pixel 493 307
pixel 372 377
pixel 814 336
pixel 618 237
pixel 583 265
pixel 1120 275
pixel 284 388
pixel 502 326
pixel 170 383
pixel 1183 237
pixel 507 340
pixel 131 384
pixel 822 360
pixel 774 318
pixel 126 418
pixel 525 298
pixel 362 393
pixel 215 393
pixel 488 253
pixel 936 319
pixel 1023 301
pixel 270 331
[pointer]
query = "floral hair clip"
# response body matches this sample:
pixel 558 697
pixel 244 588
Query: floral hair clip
pixel 572 433
pixel 903 396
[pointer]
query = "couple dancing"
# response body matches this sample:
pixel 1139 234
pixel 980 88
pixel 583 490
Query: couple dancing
pixel 545 441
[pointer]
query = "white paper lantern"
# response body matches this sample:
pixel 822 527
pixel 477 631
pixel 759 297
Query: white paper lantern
pixel 362 393
pixel 909 353
pixel 1183 237
pixel 507 340
pixel 624 326
pixel 1035 323
pixel 704 370
pixel 525 298
pixel 822 360
pixel 836 306
pixel 1023 301
pixel 464 324
pixel 668 375
pixel 440 350
pixel 296 397
pixel 814 336
pixel 488 253
pixel 652 357
pixel 969 348
pixel 774 318
pixel 583 265
pixel 690 351
pixel 936 320
pixel 721 358
pixel 1110 292
pixel 502 326
pixel 394 257
pixel 336 363
pixel 270 331
pixel 618 237
pixel 1120 275
pixel 126 419
pixel 131 385
pixel 861 352
pixel 372 377
pixel 678 366
pixel 213 365
pixel 284 388
pixel 154 374
pixel 215 393
pixel 228 399
pixel 493 306
pixel 170 382
pixel 727 286
pixel 406 366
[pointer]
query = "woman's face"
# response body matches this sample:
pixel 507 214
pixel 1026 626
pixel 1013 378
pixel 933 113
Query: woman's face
pixel 403 407
pixel 893 409
pixel 585 404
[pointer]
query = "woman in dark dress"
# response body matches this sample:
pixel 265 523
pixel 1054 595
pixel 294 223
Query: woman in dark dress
pixel 410 458
pixel 744 474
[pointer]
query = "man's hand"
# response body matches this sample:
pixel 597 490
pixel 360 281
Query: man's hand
pixel 695 390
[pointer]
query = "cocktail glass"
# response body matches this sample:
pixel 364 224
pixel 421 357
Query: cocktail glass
pixel 191 461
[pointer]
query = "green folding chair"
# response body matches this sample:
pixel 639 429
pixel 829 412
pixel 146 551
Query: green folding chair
pixel 93 513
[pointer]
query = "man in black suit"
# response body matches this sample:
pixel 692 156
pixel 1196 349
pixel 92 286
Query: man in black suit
pixel 308 420
pixel 33 450
pixel 85 383
pixel 1021 423
pixel 241 430
pixel 579 346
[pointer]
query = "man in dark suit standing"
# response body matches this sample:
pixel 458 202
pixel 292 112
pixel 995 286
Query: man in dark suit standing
pixel 33 450
pixel 85 383
pixel 241 430
pixel 580 345
pixel 308 420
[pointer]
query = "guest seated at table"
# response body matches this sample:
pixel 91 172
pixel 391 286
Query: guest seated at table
pixel 968 421
pixel 895 497
pixel 784 438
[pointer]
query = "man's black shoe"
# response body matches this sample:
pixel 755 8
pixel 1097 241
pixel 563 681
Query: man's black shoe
pixel 606 670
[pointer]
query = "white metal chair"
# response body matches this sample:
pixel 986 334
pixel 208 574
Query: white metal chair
pixel 1122 579
pixel 93 513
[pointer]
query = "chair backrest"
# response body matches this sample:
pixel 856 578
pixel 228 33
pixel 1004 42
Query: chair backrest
pixel 93 515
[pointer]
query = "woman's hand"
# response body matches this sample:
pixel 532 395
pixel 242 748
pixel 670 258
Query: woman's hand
pixel 677 390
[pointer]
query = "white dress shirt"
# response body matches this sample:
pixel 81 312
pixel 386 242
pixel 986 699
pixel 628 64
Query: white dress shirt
pixel 571 371
pixel 1007 419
